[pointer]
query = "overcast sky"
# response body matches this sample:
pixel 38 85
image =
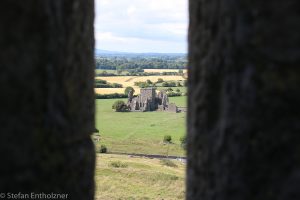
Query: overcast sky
pixel 141 25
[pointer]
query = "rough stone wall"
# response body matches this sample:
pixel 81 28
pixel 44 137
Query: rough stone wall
pixel 243 115
pixel 172 107
pixel 147 93
pixel 47 100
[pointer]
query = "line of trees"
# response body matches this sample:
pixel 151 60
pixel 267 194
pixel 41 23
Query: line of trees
pixel 99 83
pixel 125 63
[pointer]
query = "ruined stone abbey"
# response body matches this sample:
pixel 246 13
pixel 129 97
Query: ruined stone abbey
pixel 149 100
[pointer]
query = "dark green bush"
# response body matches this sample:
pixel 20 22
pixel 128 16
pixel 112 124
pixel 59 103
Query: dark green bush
pixel 142 84
pixel 174 94
pixel 103 149
pixel 120 106
pixel 101 85
pixel 149 82
pixel 110 96
pixel 169 84
pixel 167 139
pixel 169 89
pixel 100 81
pixel 104 84
pixel 117 85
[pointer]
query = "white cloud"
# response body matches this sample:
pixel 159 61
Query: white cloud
pixel 141 25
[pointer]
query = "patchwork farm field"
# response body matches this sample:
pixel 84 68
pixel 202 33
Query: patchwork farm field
pixel 140 132
pixel 124 177
pixel 129 81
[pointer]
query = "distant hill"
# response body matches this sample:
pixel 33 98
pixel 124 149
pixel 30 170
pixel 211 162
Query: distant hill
pixel 101 52
pixel 105 52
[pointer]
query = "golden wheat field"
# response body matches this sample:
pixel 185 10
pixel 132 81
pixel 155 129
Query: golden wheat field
pixel 129 81
pixel 114 90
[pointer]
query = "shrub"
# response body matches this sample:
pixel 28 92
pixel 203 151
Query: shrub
pixel 159 80
pixel 120 106
pixel 177 90
pixel 167 139
pixel 165 84
pixel 103 149
pixel 142 84
pixel 169 90
pixel 117 85
pixel 104 84
pixel 168 162
pixel 173 94
pixel 100 85
pixel 110 96
pixel 118 164
pixel 100 81
pixel 169 84
pixel 183 142
pixel 149 82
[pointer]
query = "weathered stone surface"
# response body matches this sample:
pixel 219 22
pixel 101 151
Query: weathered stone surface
pixel 47 99
pixel 243 114
pixel 148 100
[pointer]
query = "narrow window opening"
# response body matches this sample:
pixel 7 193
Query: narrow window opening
pixel 141 98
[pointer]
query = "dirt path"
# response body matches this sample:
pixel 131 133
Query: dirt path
pixel 150 156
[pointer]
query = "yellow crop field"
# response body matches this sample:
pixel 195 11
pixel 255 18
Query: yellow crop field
pixel 163 70
pixel 114 90
pixel 129 81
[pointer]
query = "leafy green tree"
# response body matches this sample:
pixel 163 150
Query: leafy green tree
pixel 128 89
pixel 159 80
pixel 149 82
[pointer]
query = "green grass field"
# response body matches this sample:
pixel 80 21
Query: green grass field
pixel 138 179
pixel 140 132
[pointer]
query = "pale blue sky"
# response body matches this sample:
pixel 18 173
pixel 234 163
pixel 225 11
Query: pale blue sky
pixel 142 25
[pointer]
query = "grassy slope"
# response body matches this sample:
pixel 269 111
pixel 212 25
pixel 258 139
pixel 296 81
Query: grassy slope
pixel 140 132
pixel 142 179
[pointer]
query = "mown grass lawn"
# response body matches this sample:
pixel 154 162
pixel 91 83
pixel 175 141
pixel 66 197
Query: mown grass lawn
pixel 140 132
pixel 138 179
